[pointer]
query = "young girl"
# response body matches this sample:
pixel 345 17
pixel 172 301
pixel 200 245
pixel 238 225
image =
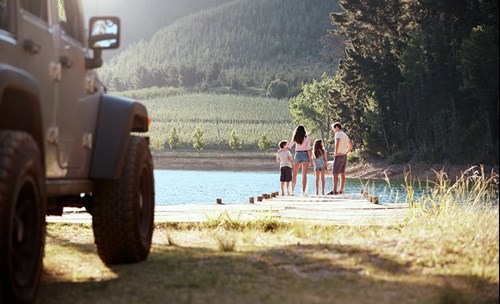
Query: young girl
pixel 320 164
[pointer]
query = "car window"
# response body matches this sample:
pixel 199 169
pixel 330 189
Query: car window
pixel 37 8
pixel 70 17
pixel 5 22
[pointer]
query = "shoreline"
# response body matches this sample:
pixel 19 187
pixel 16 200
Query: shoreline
pixel 368 170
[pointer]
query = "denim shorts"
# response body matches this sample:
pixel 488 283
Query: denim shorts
pixel 301 157
pixel 319 164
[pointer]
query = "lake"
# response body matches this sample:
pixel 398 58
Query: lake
pixel 179 187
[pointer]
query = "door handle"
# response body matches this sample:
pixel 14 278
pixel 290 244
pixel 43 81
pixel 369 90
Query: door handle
pixel 66 61
pixel 31 46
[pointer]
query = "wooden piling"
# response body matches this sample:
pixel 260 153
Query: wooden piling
pixel 219 201
pixel 259 198
pixel 250 200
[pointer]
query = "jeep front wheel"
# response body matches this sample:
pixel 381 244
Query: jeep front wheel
pixel 123 209
pixel 22 217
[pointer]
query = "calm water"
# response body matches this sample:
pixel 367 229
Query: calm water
pixel 174 187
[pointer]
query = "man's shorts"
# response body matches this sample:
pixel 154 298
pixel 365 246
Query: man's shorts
pixel 286 174
pixel 339 163
pixel 301 157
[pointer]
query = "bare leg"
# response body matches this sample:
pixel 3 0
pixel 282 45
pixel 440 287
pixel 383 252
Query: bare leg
pixel 322 182
pixel 288 188
pixel 305 166
pixel 335 181
pixel 317 181
pixel 342 182
pixel 294 176
pixel 282 189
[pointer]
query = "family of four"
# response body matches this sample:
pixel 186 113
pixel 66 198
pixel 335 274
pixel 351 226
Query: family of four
pixel 318 157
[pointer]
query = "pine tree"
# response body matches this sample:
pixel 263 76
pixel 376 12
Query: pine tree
pixel 235 141
pixel 174 140
pixel 199 142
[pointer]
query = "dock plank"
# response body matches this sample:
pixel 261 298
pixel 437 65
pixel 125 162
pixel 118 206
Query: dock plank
pixel 347 209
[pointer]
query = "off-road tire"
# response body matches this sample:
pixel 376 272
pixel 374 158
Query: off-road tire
pixel 123 209
pixel 22 217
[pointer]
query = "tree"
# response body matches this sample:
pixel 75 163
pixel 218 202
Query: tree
pixel 277 89
pixel 199 139
pixel 214 72
pixel 235 141
pixel 479 67
pixel 264 142
pixel 174 140
pixel 316 109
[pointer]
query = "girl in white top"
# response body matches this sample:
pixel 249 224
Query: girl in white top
pixel 303 156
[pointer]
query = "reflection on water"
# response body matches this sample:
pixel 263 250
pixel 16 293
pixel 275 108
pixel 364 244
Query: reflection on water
pixel 174 187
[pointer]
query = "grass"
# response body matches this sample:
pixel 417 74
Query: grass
pixel 446 253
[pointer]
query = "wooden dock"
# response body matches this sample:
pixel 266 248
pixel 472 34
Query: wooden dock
pixel 347 209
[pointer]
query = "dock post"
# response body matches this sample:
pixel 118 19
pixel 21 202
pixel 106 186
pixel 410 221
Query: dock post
pixel 219 201
pixel 250 200
pixel 259 198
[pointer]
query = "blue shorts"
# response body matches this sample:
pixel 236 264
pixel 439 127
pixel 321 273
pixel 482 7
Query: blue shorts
pixel 301 157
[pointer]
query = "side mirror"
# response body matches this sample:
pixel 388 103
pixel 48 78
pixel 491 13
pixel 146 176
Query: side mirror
pixel 104 33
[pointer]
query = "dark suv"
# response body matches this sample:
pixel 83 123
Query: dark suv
pixel 65 142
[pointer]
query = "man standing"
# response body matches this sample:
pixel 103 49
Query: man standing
pixel 342 147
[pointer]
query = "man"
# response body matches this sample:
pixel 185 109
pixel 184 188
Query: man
pixel 342 147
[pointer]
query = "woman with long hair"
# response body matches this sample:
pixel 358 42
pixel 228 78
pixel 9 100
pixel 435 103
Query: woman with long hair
pixel 303 156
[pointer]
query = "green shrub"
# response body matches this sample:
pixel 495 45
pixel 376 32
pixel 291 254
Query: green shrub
pixel 400 157
pixel 277 89
pixel 353 158
pixel 199 139
pixel 235 141
pixel 264 142
pixel 174 140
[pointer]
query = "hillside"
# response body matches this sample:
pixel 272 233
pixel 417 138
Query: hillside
pixel 245 43
pixel 141 19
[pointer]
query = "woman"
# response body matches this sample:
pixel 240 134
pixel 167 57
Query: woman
pixel 303 156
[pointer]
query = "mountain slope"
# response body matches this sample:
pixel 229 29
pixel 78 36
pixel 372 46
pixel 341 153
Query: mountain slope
pixel 245 42
pixel 141 19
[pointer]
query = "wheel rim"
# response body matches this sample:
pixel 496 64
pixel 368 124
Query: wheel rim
pixel 25 237
pixel 145 204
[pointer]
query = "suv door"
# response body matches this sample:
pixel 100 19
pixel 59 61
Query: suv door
pixel 73 111
pixel 36 39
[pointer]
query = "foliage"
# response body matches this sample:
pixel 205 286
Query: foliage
pixel 277 89
pixel 316 108
pixel 199 139
pixel 235 141
pixel 265 142
pixel 421 77
pixel 241 43
pixel 218 115
pixel 173 139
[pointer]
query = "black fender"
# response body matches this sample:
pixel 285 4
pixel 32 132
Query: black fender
pixel 20 103
pixel 118 116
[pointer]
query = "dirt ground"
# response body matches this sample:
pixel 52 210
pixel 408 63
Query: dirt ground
pixel 375 169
